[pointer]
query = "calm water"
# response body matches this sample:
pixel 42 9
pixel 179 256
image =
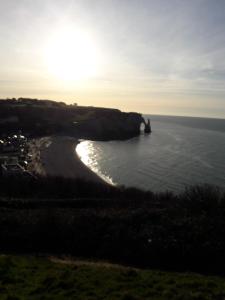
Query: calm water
pixel 180 151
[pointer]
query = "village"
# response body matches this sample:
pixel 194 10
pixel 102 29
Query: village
pixel 14 156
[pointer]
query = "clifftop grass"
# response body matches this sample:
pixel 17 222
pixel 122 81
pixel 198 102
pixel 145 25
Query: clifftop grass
pixel 38 278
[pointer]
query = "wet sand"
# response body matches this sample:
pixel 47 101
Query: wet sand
pixel 56 156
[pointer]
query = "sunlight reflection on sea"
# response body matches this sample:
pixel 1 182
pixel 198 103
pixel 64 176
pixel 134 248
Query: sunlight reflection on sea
pixel 180 152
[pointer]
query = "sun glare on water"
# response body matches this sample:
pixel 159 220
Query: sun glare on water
pixel 72 55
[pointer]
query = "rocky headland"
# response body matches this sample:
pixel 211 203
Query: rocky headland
pixel 45 117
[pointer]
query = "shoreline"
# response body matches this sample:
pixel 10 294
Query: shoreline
pixel 57 156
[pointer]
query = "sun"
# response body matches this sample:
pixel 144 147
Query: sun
pixel 72 55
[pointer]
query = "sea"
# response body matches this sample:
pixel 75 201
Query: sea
pixel 180 152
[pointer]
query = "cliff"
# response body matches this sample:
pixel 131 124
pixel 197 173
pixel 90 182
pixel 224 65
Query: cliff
pixel 111 125
pixel 43 117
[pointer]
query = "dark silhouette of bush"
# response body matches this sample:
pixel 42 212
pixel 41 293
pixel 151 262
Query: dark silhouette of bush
pixel 61 216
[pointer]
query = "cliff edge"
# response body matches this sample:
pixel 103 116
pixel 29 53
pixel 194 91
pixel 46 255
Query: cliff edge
pixel 45 117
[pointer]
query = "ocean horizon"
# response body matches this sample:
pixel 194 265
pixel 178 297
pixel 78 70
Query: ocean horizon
pixel 180 152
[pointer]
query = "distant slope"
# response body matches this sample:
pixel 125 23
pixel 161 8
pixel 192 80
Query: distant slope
pixel 43 117
pixel 38 278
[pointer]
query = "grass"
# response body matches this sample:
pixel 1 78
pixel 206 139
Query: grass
pixel 38 278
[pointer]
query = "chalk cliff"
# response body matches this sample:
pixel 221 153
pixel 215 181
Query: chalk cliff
pixel 110 126
pixel 43 117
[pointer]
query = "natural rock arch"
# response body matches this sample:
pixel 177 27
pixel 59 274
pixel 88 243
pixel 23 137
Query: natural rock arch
pixel 147 125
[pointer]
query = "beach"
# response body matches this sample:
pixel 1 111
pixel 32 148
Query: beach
pixel 56 156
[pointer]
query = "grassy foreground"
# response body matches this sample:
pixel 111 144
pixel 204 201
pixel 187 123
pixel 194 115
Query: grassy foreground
pixel 38 278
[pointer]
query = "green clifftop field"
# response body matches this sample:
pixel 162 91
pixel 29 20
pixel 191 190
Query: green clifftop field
pixel 38 278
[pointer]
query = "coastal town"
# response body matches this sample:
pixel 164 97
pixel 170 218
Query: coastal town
pixel 15 157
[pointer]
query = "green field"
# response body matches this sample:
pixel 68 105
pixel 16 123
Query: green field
pixel 38 278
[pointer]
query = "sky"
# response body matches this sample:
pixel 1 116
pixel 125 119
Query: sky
pixel 150 56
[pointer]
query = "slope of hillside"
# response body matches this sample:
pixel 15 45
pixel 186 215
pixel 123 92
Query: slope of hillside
pixel 39 278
